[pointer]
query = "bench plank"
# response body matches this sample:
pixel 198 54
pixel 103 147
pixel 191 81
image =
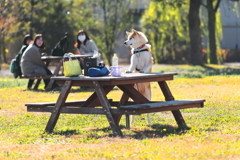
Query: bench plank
pixel 36 77
pixel 163 104
pixel 53 103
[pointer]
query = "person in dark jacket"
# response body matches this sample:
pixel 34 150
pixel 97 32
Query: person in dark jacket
pixel 27 39
pixel 31 62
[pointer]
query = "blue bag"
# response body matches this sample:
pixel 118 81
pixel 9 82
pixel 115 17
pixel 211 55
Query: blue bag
pixel 98 72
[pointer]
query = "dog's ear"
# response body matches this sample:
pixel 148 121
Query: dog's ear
pixel 128 33
pixel 135 32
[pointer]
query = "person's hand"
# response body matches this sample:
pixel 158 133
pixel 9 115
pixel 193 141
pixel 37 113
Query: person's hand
pixel 44 54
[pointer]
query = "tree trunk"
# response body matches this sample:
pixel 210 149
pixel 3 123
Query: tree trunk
pixel 1 48
pixel 194 32
pixel 4 50
pixel 211 32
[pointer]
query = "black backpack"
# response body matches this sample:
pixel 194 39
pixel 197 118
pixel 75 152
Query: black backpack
pixel 61 48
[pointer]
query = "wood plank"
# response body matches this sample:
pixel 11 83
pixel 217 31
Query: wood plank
pixel 162 104
pixel 93 100
pixel 70 103
pixel 133 93
pixel 81 110
pixel 106 107
pixel 78 103
pixel 166 91
pixel 37 77
pixel 114 111
pixel 60 102
pixel 56 71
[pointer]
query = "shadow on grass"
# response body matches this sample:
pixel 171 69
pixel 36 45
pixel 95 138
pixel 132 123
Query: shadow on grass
pixel 153 131
pixel 66 133
pixel 158 131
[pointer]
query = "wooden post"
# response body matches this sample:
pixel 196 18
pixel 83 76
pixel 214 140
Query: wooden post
pixel 169 97
pixel 56 71
pixel 106 107
pixel 60 102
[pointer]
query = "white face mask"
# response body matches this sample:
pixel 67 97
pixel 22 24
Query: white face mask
pixel 81 38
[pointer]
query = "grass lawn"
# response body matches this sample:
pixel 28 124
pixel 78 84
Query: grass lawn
pixel 214 132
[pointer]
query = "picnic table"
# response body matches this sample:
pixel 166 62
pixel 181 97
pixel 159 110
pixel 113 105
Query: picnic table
pixel 59 64
pixel 98 103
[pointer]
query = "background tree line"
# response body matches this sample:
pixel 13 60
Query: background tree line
pixel 174 27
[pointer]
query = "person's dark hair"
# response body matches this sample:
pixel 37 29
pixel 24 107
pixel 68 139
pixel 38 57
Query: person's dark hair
pixel 78 43
pixel 26 38
pixel 35 41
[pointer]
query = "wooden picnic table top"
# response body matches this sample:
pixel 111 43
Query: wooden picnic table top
pixel 124 76
pixel 61 57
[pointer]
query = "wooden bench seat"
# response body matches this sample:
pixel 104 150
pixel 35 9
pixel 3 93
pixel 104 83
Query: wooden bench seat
pixel 135 109
pixel 36 77
pixel 162 106
pixel 69 106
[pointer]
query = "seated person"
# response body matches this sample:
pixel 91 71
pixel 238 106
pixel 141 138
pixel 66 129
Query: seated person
pixel 31 62
pixel 84 45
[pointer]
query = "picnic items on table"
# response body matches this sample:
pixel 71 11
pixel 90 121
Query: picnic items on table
pixel 91 62
pixel 71 67
pixel 116 71
pixel 97 55
pixel 98 71
pixel 114 60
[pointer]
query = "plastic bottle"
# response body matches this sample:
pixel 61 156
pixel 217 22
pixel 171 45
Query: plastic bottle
pixel 115 60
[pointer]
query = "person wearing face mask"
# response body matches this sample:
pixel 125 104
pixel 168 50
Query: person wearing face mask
pixel 84 45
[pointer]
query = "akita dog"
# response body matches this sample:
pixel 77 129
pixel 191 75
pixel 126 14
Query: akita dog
pixel 141 60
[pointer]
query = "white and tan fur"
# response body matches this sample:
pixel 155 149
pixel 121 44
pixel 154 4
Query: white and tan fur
pixel 141 61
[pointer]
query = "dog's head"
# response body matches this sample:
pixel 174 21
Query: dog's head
pixel 135 39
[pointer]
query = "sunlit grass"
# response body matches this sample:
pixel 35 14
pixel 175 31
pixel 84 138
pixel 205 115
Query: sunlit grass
pixel 214 130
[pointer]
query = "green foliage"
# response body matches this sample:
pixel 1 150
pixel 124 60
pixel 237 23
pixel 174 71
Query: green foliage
pixel 52 19
pixel 167 30
pixel 112 17
pixel 8 82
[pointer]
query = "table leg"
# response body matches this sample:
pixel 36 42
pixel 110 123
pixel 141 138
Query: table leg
pixel 123 101
pixel 56 71
pixel 133 93
pixel 106 107
pixel 137 97
pixel 166 91
pixel 60 102
pixel 93 100
pixel 169 97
